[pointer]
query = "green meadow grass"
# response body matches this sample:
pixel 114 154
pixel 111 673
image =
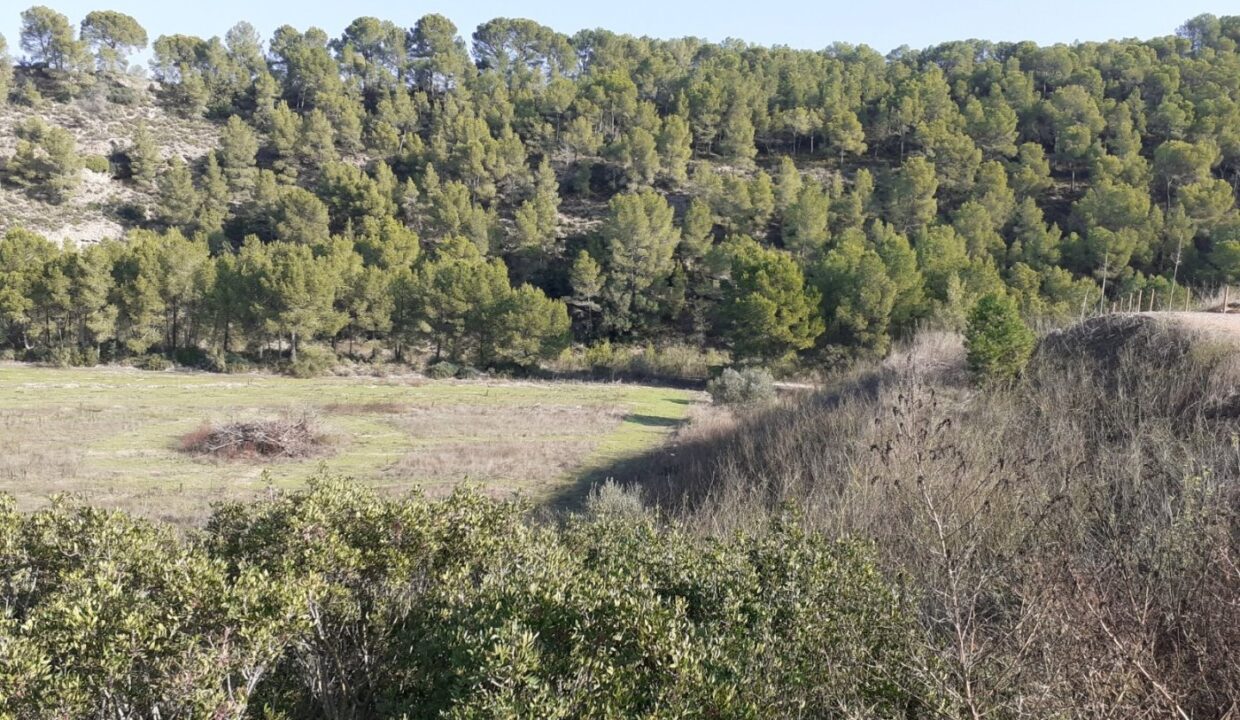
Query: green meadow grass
pixel 113 434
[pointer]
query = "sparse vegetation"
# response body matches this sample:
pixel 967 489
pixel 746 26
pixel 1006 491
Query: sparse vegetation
pixel 1048 521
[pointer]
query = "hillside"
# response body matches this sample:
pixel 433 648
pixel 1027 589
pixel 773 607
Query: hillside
pixel 100 128
pixel 630 190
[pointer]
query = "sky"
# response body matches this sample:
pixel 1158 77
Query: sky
pixel 804 24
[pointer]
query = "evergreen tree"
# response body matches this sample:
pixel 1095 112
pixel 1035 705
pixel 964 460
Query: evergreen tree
pixel 112 36
pixel 997 342
pixel 237 153
pixel 178 200
pixel 640 241
pixel 857 296
pixel 299 292
pixel 912 205
pixel 675 148
pixel 144 157
pixel 767 312
pixel 6 70
pixel 538 219
pixel 48 39
pixel 737 142
pixel 806 222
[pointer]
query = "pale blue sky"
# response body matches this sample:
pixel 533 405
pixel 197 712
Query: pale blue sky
pixel 882 24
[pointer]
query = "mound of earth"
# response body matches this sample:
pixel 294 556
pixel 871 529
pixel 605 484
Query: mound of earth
pixel 1196 352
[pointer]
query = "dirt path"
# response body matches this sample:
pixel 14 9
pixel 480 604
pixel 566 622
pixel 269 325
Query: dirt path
pixel 1216 324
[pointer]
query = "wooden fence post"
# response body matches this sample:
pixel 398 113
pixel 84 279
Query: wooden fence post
pixel 1153 297
pixel 1188 297
pixel 1225 289
pixel 1139 299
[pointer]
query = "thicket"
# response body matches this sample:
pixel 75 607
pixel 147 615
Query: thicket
pixel 622 176
pixel 334 603
pixel 1072 537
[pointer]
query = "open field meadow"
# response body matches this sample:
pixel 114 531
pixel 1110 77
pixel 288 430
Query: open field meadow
pixel 114 434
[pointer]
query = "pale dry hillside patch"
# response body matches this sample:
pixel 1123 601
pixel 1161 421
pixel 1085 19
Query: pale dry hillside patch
pixel 101 128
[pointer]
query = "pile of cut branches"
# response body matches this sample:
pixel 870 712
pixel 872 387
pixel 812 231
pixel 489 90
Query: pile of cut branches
pixel 282 438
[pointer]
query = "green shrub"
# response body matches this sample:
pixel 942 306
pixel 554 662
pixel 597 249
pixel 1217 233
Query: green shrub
pixel 744 387
pixel 192 357
pixel 312 361
pixel 610 499
pixel 61 356
pixel 120 94
pixel 152 362
pixel 27 94
pixel 442 370
pixel 600 356
pixel 335 597
pixel 96 163
pixel 86 357
pixel 466 372
pixel 997 342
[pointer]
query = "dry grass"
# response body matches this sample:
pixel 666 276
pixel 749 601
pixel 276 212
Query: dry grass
pixel 113 435
pixel 1072 542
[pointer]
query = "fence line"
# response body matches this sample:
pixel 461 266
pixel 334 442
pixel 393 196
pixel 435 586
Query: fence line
pixel 1174 299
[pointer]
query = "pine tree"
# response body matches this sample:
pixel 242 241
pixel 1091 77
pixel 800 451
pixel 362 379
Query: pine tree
pixel 640 241
pixel 641 157
pixel 6 70
pixel 806 222
pixel 144 157
pixel 997 342
pixel 675 148
pixel 737 143
pixel 215 197
pixel 767 312
pixel 538 219
pixel 237 153
pixel 178 200
pixel 912 205
pixel 857 296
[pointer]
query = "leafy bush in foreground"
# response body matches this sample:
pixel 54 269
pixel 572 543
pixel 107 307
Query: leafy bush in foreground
pixel 335 603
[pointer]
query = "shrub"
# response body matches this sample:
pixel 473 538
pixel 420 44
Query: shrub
pixel 120 94
pixel 442 370
pixel 997 342
pixel 611 499
pixel 311 362
pixel 61 356
pixel 466 372
pixel 743 387
pixel 601 356
pixel 96 163
pixel 152 362
pixel 192 357
pixel 86 357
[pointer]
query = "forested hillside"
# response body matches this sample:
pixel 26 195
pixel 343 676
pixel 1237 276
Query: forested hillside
pixel 491 201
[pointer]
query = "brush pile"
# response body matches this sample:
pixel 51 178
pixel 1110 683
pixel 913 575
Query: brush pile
pixel 281 438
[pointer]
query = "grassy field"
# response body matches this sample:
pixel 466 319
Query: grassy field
pixel 113 434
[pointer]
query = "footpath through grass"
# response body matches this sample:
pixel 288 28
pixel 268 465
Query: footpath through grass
pixel 113 434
